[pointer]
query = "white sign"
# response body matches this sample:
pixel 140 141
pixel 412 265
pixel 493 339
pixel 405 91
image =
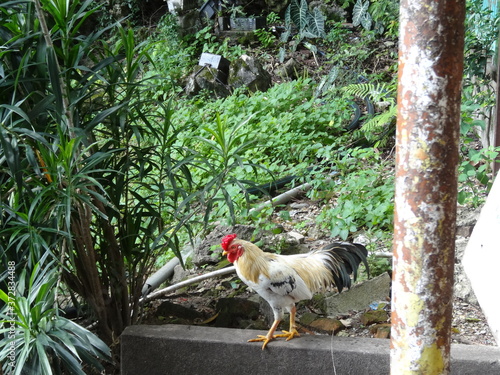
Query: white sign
pixel 481 260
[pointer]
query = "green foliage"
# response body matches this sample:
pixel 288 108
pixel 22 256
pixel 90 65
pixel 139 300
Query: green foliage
pixel 376 91
pixel 360 15
pixel 380 127
pixel 357 50
pixel 170 58
pixel 337 36
pixel 478 99
pixel 260 218
pixel 272 18
pixel 44 342
pixel 481 33
pixel 91 170
pixel 478 93
pixel 381 15
pixel 310 25
pixel 101 169
pixel 474 172
pixel 379 265
pixel 327 82
pixel 232 10
pixel 355 183
pixel 204 40
pixel 385 14
pixel 289 125
pixel 265 37
pixel 224 157
pixel 470 122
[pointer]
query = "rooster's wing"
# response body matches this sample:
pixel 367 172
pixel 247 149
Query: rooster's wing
pixel 283 287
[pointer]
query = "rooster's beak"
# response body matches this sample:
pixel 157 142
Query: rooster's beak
pixel 224 252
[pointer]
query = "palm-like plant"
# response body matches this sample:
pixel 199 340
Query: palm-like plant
pixel 91 171
pixel 44 341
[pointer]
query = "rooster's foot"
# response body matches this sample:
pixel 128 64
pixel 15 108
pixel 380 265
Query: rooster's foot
pixel 289 334
pixel 265 339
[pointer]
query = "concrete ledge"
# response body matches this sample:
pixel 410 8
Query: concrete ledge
pixel 191 350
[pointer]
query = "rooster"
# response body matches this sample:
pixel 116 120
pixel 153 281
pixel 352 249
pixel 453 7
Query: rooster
pixel 283 280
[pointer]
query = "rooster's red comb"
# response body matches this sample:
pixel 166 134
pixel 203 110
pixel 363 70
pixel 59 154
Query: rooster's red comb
pixel 226 241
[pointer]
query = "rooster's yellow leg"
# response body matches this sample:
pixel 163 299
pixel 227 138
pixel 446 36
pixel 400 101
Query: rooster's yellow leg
pixel 268 337
pixel 290 334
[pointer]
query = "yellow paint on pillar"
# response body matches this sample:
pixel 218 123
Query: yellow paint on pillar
pixel 431 360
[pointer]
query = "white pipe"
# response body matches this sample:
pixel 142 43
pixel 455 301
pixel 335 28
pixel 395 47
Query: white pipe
pixel 190 281
pixel 283 198
pixel 166 272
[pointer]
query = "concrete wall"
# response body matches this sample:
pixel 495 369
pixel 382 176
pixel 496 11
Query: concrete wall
pixel 179 350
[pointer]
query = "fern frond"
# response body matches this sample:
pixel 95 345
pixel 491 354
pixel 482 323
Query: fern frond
pixel 379 121
pixel 376 92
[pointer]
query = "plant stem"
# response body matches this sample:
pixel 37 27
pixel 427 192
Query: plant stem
pixel 62 84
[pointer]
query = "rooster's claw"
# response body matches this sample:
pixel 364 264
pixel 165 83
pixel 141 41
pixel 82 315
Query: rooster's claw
pixel 289 334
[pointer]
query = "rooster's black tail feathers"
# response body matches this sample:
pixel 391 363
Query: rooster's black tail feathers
pixel 344 259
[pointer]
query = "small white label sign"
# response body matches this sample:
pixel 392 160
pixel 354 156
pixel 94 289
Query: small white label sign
pixel 481 260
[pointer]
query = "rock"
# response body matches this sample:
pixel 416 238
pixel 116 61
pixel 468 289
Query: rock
pixel 327 325
pixel 373 316
pixel 208 79
pixel 318 302
pixel 462 287
pixel 464 231
pixel 359 296
pixel 180 274
pixel 299 206
pixel 307 318
pixel 233 310
pixel 266 311
pixel 299 238
pixel 466 220
pixel 381 331
pixel 189 22
pixel 331 10
pixel 346 322
pixel 317 231
pixel 276 6
pixel 285 243
pixel 209 251
pixel 362 238
pixel 248 72
pixel 289 69
pixel 171 310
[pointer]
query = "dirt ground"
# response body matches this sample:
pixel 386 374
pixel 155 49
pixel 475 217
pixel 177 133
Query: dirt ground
pixel 199 304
